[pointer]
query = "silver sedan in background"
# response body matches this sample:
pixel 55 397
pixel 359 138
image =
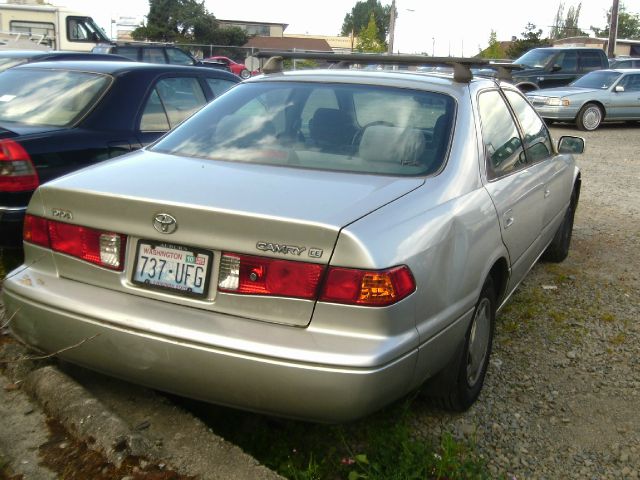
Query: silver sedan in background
pixel 600 96
pixel 313 244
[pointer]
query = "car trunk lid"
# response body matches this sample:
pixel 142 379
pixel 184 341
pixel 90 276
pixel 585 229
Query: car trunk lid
pixel 267 211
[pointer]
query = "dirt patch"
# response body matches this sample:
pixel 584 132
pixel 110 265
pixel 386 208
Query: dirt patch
pixel 73 460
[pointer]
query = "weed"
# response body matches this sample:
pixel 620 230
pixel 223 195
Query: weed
pixel 618 339
pixel 608 317
pixel 382 446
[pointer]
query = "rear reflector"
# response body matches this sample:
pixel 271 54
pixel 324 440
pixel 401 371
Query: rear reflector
pixel 366 287
pixel 105 249
pixel 251 275
pixel 17 173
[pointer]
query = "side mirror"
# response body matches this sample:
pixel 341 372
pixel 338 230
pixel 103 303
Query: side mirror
pixel 556 68
pixel 568 144
pixel 618 89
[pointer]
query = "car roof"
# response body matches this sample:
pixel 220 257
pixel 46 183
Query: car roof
pixel 117 67
pixel 21 53
pixel 398 79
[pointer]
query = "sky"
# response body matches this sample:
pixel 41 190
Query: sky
pixel 450 27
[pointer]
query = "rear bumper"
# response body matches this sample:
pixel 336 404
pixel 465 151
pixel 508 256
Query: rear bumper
pixel 280 384
pixel 11 222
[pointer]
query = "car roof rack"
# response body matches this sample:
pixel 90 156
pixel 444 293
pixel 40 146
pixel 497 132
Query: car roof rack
pixel 461 66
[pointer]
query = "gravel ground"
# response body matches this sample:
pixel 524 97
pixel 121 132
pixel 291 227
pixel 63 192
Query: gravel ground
pixel 562 395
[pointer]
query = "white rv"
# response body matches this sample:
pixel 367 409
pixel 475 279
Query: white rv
pixel 47 26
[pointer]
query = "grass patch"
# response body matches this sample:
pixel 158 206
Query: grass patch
pixel 385 445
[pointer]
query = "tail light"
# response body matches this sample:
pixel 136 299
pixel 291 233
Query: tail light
pixel 17 173
pixel 268 276
pixel 251 275
pixel 366 287
pixel 102 248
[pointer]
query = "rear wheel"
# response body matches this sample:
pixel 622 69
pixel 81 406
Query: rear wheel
pixel 558 249
pixel 244 73
pixel 589 117
pixel 458 386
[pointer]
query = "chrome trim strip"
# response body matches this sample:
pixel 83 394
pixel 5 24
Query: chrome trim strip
pixel 13 209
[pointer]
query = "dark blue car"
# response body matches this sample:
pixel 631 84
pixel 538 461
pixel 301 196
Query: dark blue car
pixel 57 117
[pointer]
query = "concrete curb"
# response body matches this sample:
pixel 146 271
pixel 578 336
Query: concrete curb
pixel 188 446
pixel 85 417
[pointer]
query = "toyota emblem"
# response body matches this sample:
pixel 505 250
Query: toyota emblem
pixel 165 223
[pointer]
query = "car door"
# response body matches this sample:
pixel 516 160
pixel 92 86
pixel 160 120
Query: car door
pixel 541 158
pixel 627 102
pixel 171 100
pixel 562 70
pixel 515 186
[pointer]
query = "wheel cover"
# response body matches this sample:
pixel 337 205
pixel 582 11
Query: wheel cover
pixel 479 339
pixel 591 118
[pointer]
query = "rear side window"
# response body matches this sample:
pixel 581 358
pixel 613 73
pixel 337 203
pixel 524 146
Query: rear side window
pixel 503 147
pixel 153 55
pixel 171 101
pixel 129 52
pixel 340 127
pixel 536 137
pixel 48 97
pixel 590 61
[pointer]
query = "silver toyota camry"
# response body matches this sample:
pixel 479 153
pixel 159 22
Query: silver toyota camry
pixel 313 244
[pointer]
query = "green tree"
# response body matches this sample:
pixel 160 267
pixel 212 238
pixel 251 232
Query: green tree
pixel 531 38
pixel 358 20
pixel 369 39
pixel 628 25
pixel 567 26
pixel 186 21
pixel 494 50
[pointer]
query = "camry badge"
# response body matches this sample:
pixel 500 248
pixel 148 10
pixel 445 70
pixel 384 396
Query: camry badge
pixel 165 223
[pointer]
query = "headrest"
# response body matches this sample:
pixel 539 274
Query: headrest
pixel 382 143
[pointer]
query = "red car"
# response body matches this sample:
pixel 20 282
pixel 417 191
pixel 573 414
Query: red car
pixel 238 68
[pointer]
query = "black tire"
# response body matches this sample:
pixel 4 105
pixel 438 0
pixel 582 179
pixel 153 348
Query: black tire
pixel 458 385
pixel 558 249
pixel 589 117
pixel 244 73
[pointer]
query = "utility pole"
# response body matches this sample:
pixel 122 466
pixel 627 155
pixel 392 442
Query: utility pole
pixel 392 25
pixel 613 30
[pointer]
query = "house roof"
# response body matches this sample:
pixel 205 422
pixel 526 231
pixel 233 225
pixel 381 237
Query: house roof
pixel 250 22
pixel 289 43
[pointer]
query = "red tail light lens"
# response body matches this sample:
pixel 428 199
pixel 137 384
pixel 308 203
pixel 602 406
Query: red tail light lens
pixel 368 288
pixel 17 173
pixel 102 248
pixel 252 275
pixel 36 230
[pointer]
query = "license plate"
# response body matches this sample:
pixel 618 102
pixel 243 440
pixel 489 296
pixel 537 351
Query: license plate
pixel 174 268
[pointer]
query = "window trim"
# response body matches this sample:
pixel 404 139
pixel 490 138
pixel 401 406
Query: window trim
pixel 69 39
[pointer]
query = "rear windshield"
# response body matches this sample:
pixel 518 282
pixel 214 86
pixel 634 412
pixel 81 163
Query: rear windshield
pixel 48 97
pixel 600 79
pixel 355 128
pixel 6 63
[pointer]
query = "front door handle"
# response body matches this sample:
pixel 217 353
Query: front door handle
pixel 507 218
pixel 547 192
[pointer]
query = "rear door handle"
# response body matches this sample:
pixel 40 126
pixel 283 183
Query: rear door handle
pixel 547 192
pixel 507 218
